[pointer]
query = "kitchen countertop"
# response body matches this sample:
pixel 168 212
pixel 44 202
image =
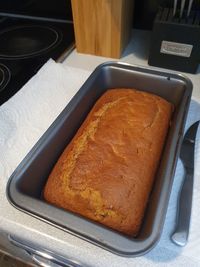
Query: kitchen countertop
pixel 40 234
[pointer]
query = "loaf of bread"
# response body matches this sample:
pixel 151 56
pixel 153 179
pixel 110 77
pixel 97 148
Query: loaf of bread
pixel 107 171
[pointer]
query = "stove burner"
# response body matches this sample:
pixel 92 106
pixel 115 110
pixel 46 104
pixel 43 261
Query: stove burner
pixel 27 41
pixel 4 76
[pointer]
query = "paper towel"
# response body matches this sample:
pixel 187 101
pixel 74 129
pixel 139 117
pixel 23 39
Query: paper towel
pixel 44 96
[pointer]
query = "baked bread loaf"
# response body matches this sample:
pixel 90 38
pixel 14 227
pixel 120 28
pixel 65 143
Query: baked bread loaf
pixel 107 171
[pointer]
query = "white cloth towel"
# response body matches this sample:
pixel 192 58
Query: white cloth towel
pixel 26 116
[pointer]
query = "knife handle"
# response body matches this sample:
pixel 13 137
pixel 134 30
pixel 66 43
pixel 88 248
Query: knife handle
pixel 189 7
pixel 174 7
pixel 182 8
pixel 184 206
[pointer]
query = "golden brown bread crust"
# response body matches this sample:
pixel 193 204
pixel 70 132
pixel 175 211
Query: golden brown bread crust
pixel 107 170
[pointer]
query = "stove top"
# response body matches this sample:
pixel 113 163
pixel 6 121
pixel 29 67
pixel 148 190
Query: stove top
pixel 26 44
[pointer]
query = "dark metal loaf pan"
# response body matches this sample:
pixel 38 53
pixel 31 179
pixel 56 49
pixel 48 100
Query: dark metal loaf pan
pixel 26 184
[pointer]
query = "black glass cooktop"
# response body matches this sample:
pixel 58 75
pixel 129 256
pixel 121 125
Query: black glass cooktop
pixel 26 44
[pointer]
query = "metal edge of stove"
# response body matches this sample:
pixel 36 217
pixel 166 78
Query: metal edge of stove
pixel 41 256
pixel 19 16
pixel 66 53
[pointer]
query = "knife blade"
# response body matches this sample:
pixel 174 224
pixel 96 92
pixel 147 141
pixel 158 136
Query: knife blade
pixel 184 204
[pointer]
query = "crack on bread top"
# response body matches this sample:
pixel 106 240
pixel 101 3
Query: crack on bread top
pixel 81 143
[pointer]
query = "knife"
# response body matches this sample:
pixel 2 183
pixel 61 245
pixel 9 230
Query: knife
pixel 174 7
pixel 184 205
pixel 189 8
pixel 182 8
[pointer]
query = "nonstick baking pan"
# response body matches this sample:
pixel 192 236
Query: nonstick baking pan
pixel 25 186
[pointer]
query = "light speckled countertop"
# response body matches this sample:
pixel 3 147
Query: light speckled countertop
pixel 40 234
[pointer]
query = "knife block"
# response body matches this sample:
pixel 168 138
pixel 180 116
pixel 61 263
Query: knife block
pixel 175 42
pixel 102 27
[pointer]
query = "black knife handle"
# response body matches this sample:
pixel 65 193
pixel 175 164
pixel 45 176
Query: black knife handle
pixel 184 206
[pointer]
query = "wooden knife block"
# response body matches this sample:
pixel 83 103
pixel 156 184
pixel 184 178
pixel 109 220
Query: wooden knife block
pixel 102 27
